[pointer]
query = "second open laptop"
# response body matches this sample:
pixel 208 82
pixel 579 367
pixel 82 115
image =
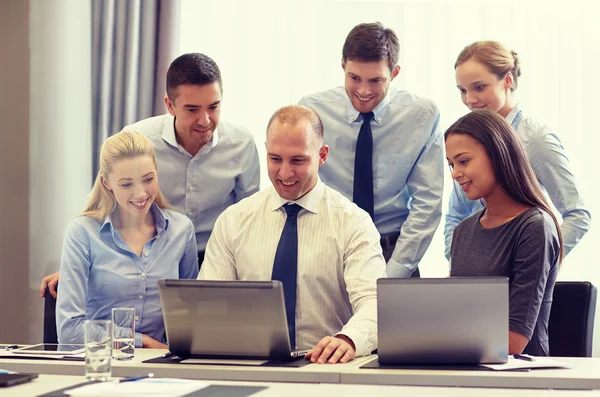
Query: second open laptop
pixel 457 320
pixel 226 319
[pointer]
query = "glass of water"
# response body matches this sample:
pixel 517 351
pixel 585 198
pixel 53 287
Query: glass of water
pixel 123 319
pixel 98 348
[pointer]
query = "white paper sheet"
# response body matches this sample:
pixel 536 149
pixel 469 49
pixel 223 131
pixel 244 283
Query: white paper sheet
pixel 50 356
pixel 167 387
pixel 538 362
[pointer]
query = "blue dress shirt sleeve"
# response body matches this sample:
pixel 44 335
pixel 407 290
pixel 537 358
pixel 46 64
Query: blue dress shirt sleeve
pixel 551 166
pixel 74 272
pixel 188 265
pixel 248 182
pixel 425 185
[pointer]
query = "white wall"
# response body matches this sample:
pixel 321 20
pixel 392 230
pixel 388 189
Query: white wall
pixel 60 134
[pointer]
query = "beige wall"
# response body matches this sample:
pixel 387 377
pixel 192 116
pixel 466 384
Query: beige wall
pixel 45 148
pixel 14 170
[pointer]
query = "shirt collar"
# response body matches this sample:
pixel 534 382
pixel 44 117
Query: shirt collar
pixel 378 112
pixel 512 114
pixel 161 221
pixel 168 135
pixel 310 201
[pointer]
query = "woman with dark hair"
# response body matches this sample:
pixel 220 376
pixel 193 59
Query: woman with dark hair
pixel 515 235
pixel 487 76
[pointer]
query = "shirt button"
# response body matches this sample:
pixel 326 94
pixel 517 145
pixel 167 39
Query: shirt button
pixel 191 187
pixel 137 318
pixel 141 297
pixel 143 274
pixel 145 253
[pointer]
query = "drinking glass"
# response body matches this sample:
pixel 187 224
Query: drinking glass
pixel 123 319
pixel 98 347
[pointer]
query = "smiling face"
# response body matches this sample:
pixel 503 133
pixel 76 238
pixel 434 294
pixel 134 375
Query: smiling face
pixel 471 166
pixel 480 88
pixel 197 109
pixel 367 83
pixel 293 158
pixel 134 184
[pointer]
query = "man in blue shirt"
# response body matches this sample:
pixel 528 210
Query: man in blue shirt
pixel 206 164
pixel 396 172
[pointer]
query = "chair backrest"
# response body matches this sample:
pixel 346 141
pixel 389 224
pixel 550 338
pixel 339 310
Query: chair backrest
pixel 50 333
pixel 571 325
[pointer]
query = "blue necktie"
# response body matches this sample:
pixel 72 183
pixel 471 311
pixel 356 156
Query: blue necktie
pixel 363 167
pixel 285 267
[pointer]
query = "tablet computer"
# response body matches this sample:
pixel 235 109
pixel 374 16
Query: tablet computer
pixel 50 348
pixel 7 380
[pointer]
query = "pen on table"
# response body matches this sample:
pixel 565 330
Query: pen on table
pixel 11 347
pixel 523 357
pixel 134 378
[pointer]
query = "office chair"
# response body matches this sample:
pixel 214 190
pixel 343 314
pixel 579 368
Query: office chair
pixel 50 333
pixel 571 324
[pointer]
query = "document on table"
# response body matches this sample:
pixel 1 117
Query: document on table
pixel 46 355
pixel 168 387
pixel 536 362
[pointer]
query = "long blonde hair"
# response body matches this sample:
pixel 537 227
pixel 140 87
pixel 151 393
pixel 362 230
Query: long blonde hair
pixel 124 145
pixel 497 58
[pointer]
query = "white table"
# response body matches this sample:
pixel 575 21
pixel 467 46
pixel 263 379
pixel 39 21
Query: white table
pixel 47 383
pixel 312 373
pixel 584 374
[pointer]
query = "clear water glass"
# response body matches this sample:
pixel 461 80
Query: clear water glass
pixel 123 319
pixel 98 349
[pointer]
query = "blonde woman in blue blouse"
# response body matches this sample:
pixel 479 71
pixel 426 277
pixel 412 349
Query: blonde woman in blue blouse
pixel 124 241
pixel 487 77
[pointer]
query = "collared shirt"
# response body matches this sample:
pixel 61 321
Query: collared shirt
pixel 408 166
pixel 98 271
pixel 223 172
pixel 339 261
pixel 551 167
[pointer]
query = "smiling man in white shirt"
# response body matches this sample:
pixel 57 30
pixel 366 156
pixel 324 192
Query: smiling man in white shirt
pixel 338 259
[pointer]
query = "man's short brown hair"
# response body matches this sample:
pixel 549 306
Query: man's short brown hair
pixel 371 42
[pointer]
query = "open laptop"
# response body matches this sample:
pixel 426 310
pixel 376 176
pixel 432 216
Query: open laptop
pixel 458 320
pixel 226 319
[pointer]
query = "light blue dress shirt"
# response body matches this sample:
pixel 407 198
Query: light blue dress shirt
pixel 408 166
pixel 222 173
pixel 551 167
pixel 98 271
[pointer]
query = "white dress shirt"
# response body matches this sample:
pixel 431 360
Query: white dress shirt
pixel 408 166
pixel 223 172
pixel 339 260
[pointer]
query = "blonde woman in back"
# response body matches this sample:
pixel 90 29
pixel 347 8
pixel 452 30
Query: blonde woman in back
pixel 123 242
pixel 487 77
